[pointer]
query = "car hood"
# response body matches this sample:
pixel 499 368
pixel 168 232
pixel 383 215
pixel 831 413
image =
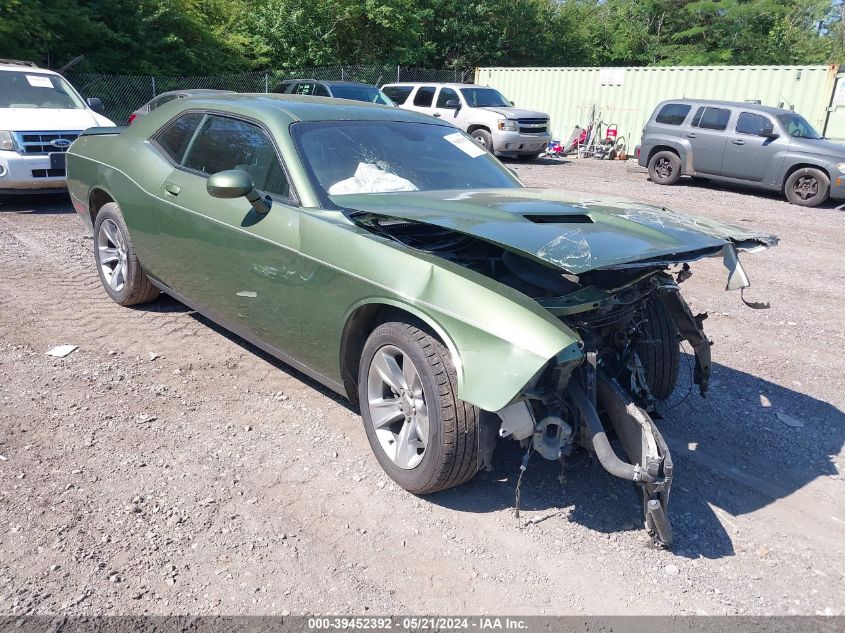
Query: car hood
pixel 820 146
pixel 571 231
pixel 50 119
pixel 517 113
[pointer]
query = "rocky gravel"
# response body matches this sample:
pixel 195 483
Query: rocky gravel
pixel 167 467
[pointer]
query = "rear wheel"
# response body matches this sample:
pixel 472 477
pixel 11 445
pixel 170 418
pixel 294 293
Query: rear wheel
pixel 422 435
pixel 807 187
pixel 660 352
pixel 121 273
pixel 664 168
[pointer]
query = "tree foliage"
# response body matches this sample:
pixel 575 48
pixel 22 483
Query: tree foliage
pixel 220 36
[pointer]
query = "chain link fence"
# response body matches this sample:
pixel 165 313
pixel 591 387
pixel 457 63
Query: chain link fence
pixel 121 94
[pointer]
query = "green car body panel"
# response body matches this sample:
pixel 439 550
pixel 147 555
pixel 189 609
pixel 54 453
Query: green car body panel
pixel 297 279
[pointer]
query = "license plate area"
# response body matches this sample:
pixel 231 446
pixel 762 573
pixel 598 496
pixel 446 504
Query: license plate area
pixel 57 160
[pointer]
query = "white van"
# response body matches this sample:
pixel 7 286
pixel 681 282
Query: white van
pixel 40 116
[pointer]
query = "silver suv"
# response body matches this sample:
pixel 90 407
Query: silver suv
pixel 743 143
pixel 481 112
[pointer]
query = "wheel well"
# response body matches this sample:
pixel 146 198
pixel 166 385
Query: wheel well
pixel 473 128
pixel 795 168
pixel 96 200
pixel 662 148
pixel 358 328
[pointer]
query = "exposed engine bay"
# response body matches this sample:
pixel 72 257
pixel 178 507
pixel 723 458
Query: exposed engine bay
pixel 630 322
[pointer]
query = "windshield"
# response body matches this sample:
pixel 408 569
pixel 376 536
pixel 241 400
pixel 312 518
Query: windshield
pixel 36 90
pixel 798 126
pixel 484 98
pixel 346 157
pixel 369 94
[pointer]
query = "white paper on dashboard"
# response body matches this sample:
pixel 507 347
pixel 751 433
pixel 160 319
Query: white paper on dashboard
pixel 468 147
pixel 39 81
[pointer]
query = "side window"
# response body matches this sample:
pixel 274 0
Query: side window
pixel 223 143
pixel 303 89
pixel 711 118
pixel 398 94
pixel 446 94
pixel 424 96
pixel 754 124
pixel 173 139
pixel 673 114
pixel 320 91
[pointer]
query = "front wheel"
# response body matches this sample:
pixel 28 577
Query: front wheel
pixel 664 168
pixel 807 187
pixel 483 138
pixel 121 273
pixel 422 435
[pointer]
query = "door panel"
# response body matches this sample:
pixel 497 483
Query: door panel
pixel 750 156
pixel 221 255
pixel 708 136
pixel 449 115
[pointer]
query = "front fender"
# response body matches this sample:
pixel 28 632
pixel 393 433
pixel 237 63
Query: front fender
pixel 493 361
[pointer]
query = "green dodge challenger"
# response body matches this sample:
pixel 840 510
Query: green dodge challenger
pixel 388 256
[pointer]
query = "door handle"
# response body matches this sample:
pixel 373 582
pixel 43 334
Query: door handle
pixel 691 135
pixel 172 189
pixel 437 114
pixel 737 141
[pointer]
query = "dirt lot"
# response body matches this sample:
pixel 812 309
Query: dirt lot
pixel 167 467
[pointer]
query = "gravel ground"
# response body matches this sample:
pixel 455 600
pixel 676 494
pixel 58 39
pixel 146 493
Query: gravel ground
pixel 168 467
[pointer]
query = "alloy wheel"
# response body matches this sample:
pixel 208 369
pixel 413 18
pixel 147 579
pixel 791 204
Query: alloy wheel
pixel 398 409
pixel 663 168
pixel 111 248
pixel 806 187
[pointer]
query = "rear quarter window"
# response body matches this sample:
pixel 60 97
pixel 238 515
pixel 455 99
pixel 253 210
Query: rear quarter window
pixel 398 94
pixel 672 114
pixel 173 139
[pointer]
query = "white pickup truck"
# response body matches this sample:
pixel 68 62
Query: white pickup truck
pixel 40 116
pixel 481 112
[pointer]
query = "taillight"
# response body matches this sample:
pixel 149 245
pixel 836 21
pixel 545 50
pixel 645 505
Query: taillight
pixel 132 117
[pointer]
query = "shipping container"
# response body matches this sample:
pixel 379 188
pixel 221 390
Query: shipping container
pixel 627 96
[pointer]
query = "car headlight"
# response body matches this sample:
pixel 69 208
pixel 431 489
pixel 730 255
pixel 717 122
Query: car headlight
pixel 508 125
pixel 839 166
pixel 7 141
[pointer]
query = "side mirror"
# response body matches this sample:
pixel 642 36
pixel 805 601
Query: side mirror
pixel 770 134
pixel 96 104
pixel 453 104
pixel 236 183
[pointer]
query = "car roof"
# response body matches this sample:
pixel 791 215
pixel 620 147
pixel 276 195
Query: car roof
pixel 732 104
pixel 300 107
pixel 329 82
pixel 194 91
pixel 24 67
pixel 433 83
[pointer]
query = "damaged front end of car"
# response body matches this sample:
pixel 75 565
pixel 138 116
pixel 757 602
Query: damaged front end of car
pixel 626 313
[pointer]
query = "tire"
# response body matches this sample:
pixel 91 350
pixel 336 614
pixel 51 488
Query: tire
pixel 664 168
pixel 450 455
pixel 121 274
pixel 660 352
pixel 484 138
pixel 807 187
pixel 528 157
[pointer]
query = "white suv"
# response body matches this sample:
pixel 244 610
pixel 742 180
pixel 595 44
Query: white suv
pixel 40 116
pixel 481 112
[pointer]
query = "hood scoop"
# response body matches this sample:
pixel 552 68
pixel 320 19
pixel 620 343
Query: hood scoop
pixel 560 218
